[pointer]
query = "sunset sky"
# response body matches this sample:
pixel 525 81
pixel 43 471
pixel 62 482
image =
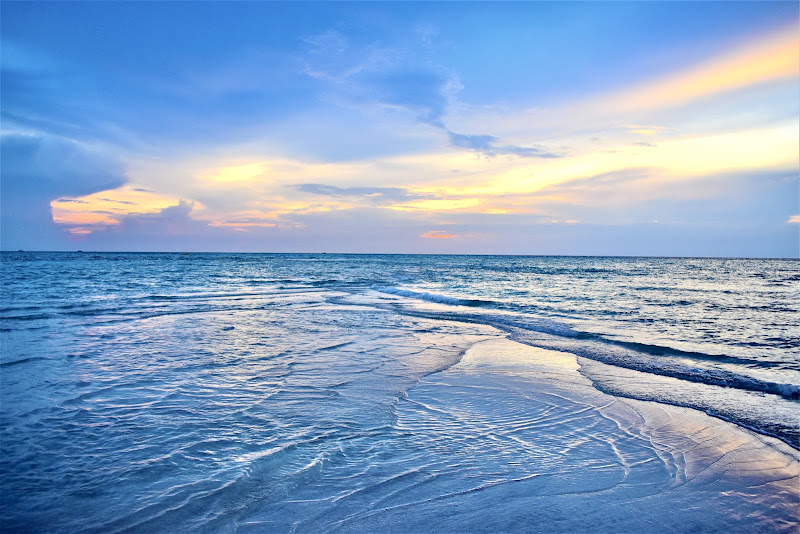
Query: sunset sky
pixel 523 128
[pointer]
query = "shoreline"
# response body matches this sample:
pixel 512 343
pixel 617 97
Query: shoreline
pixel 582 449
pixel 688 392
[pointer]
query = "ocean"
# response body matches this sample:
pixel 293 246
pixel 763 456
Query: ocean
pixel 397 393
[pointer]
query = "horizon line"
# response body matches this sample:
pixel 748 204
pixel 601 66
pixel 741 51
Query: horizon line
pixel 187 252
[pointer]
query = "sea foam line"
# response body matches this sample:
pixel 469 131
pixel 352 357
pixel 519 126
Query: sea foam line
pixel 433 297
pixel 636 356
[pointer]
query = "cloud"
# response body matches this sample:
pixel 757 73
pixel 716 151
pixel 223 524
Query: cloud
pixel 391 77
pixel 93 212
pixel 771 57
pixel 396 78
pixel 170 229
pixel 172 221
pixel 127 202
pixel 637 195
pixel 171 213
pixel 645 130
pixel 38 169
pixel 374 195
pixel 437 234
pixel 424 91
pixel 794 219
pixel 327 56
pixel 487 145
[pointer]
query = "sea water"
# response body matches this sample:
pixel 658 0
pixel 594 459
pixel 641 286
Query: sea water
pixel 316 393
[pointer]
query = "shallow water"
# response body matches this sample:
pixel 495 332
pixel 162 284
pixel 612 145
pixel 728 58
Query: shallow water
pixel 275 392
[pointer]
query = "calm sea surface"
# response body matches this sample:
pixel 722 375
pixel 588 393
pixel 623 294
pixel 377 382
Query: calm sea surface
pixel 135 385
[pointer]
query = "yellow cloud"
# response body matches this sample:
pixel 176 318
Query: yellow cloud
pixel 794 219
pixel 236 173
pixel 108 207
pixel 771 58
pixel 458 180
pixel 775 56
pixel 645 130
pixel 679 158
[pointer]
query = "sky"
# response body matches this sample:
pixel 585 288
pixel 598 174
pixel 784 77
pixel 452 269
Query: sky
pixel 624 128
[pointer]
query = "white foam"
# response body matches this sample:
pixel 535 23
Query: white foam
pixel 422 295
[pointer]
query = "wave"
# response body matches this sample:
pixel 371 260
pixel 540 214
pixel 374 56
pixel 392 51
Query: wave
pixel 638 356
pixel 433 297
pixel 23 360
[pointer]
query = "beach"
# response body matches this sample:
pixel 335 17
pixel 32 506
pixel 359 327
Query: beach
pixel 248 393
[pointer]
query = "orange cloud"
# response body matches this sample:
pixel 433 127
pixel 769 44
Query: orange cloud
pixel 106 208
pixel 79 231
pixel 437 234
pixel 78 218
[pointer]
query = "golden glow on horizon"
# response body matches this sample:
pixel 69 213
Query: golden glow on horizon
pixel 673 159
pixel 499 186
pixel 264 192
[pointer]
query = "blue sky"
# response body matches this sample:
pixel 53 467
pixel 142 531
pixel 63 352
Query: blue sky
pixel 638 128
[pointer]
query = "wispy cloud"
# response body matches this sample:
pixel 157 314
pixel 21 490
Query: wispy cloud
pixel 771 57
pixel 395 78
pixel 388 76
pixel 437 234
pixel 374 195
pixel 487 145
pixel 127 202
